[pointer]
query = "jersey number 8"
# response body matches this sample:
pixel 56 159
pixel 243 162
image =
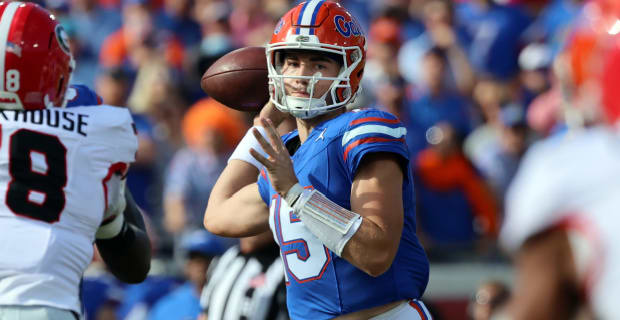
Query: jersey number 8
pixel 25 180
pixel 12 80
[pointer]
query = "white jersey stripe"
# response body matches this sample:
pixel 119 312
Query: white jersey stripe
pixel 426 312
pixel 5 25
pixel 373 128
pixel 306 19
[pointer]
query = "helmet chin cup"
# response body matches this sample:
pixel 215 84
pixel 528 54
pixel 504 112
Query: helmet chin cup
pixel 303 108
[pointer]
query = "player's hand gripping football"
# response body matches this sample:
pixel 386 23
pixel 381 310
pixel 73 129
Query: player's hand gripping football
pixel 279 165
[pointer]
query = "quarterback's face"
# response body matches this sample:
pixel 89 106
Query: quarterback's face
pixel 308 64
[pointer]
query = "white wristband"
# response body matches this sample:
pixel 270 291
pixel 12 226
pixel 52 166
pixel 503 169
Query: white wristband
pixel 112 228
pixel 331 223
pixel 242 152
pixel 293 194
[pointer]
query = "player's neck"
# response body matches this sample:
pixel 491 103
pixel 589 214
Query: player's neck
pixel 305 126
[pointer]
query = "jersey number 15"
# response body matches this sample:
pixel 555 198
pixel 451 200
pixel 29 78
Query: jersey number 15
pixel 305 257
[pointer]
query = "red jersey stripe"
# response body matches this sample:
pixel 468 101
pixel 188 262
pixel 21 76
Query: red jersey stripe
pixel 368 140
pixel 373 119
pixel 418 309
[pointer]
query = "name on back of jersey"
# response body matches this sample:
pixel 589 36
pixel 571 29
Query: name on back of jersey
pixel 62 119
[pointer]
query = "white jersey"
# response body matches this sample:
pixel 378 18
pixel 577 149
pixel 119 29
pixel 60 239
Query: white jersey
pixel 56 169
pixel 573 182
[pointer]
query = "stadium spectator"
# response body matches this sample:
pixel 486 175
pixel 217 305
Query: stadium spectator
pixel 215 41
pixel 100 293
pixel 441 32
pixel 553 22
pixel 211 131
pixel 138 40
pixel 91 24
pixel 245 19
pixel 156 102
pixel 113 85
pixel 175 17
pixel 545 112
pixel 499 160
pixel 380 70
pixel 138 299
pixel 488 96
pixel 494 32
pixel 183 302
pixel 535 62
pixel 457 212
pixel 436 102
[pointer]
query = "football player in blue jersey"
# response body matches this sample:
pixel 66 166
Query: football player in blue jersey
pixel 337 192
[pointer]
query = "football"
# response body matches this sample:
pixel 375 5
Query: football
pixel 239 79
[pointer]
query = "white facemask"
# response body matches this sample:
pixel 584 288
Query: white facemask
pixel 306 108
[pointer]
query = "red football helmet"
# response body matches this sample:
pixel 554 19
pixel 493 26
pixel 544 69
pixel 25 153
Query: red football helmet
pixel 326 27
pixel 35 61
pixel 593 59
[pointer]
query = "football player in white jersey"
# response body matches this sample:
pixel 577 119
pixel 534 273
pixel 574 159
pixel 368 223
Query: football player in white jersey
pixel 562 210
pixel 62 185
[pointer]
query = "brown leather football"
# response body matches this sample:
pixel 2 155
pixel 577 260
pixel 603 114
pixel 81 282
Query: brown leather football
pixel 239 79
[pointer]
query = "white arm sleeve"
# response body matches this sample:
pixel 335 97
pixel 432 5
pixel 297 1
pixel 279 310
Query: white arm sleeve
pixel 331 223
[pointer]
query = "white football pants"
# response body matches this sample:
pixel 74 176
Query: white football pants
pixel 409 310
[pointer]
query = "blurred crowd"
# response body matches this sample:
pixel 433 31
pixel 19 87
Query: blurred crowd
pixel 472 80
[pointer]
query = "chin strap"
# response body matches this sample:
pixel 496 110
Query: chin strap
pixel 331 223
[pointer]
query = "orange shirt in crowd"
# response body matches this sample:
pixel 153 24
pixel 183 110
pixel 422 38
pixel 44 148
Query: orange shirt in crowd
pixel 208 113
pixel 114 51
pixel 454 171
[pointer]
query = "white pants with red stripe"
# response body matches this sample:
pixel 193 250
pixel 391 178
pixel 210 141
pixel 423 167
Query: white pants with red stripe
pixel 409 310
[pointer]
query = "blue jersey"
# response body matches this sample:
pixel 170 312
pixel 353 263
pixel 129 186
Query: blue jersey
pixel 321 285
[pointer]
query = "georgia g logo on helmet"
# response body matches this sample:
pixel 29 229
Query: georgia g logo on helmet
pixel 63 39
